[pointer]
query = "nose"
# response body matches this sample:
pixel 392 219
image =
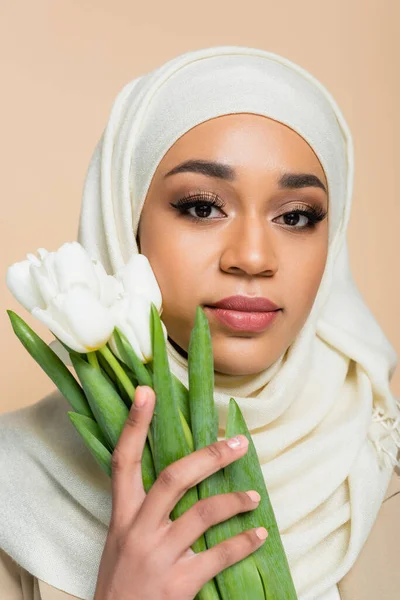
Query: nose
pixel 248 248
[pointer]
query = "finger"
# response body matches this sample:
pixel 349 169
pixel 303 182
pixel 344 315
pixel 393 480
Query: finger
pixel 126 462
pixel 185 530
pixel 204 566
pixel 173 482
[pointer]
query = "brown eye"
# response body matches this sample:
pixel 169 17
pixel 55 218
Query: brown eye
pixel 292 219
pixel 203 203
pixel 313 215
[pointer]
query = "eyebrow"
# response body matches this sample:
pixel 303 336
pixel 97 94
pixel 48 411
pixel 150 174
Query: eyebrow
pixel 221 171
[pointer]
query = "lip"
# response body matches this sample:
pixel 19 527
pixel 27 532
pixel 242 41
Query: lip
pixel 243 320
pixel 246 304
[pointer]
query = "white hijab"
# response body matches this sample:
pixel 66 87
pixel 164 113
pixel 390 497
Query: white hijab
pixel 323 419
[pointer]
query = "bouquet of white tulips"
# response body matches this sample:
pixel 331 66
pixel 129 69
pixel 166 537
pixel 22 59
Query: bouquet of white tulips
pixel 109 329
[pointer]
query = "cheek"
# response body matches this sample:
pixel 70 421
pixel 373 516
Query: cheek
pixel 178 263
pixel 178 280
pixel 302 281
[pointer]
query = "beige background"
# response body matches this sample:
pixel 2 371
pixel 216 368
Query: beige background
pixel 63 63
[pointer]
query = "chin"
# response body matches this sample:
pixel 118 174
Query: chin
pixel 241 368
pixel 240 356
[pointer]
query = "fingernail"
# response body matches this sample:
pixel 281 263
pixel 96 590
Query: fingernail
pixel 255 496
pixel 140 396
pixel 238 441
pixel 261 533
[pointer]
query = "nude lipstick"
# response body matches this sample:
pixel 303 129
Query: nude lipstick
pixel 244 313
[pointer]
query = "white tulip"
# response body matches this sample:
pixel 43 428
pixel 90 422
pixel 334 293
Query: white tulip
pixel 133 319
pixel 73 296
pixel 137 277
pixel 133 314
pixel 70 293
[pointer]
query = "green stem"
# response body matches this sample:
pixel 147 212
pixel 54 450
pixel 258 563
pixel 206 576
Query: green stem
pixel 119 371
pixel 149 367
pixel 92 358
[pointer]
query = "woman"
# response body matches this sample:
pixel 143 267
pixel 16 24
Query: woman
pixel 231 169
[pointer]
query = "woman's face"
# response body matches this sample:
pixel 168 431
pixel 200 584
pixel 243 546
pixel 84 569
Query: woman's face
pixel 250 243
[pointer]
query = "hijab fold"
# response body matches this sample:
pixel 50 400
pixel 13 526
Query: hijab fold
pixel 323 419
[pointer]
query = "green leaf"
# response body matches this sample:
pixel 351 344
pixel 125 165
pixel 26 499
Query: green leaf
pixel 238 579
pixel 166 418
pixel 132 360
pixel 106 368
pixel 110 414
pixel 168 435
pixel 51 364
pixel 94 440
pixel 246 474
pixel 108 408
pixel 92 426
pixel 186 431
pixel 148 472
pixel 182 397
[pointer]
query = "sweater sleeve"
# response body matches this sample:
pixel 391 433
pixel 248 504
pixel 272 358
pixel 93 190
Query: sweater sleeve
pixel 376 573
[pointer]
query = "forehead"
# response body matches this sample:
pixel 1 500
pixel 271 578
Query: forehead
pixel 248 141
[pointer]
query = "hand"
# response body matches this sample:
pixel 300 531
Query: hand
pixel 146 555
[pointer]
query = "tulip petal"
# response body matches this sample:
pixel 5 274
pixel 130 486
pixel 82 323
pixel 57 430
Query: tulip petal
pixel 138 277
pixel 44 283
pixel 56 311
pixel 119 308
pixel 120 312
pixel 72 264
pixel 21 284
pixel 90 323
pixel 114 348
pixel 110 288
pixel 42 253
pixel 33 259
pixel 129 333
pixel 45 317
pixel 138 317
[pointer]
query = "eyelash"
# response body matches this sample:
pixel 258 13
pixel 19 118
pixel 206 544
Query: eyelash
pixel 200 199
